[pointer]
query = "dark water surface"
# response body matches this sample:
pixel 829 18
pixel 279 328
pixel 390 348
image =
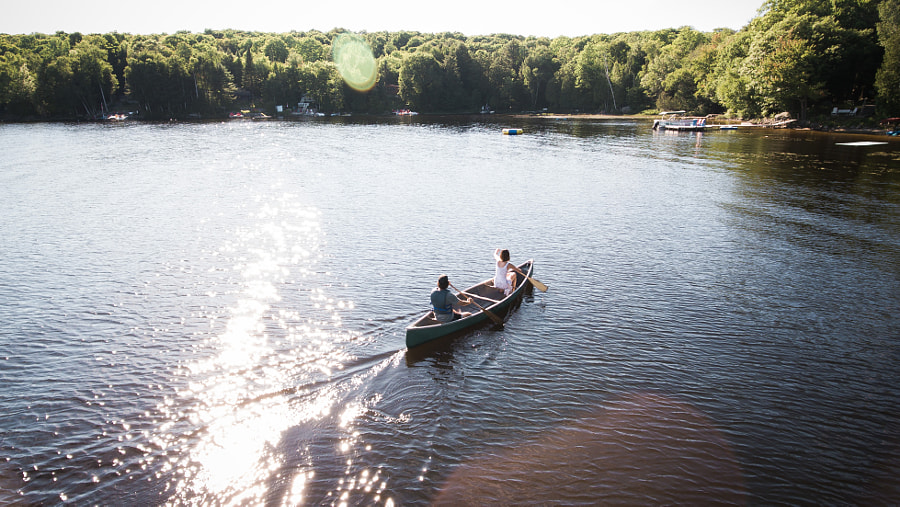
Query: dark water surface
pixel 214 314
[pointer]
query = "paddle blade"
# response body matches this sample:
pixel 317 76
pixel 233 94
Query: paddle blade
pixel 538 285
pixel 497 320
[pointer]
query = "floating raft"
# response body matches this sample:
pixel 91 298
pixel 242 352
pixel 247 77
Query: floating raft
pixel 513 132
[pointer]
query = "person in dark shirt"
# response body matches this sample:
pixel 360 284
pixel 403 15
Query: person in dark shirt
pixel 445 304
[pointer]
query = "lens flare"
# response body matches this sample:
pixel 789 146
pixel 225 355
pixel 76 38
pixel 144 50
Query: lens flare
pixel 355 61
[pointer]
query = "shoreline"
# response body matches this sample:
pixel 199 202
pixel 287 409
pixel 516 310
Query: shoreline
pixel 764 123
pixel 767 123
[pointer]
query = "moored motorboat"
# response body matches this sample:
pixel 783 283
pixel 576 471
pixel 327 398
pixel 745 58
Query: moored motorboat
pixel 426 328
pixel 676 120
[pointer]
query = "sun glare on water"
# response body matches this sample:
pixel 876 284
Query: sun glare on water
pixel 280 333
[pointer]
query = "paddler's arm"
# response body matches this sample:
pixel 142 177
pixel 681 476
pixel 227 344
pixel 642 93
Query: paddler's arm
pixel 463 302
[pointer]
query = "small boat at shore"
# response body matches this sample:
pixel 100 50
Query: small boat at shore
pixel 492 300
pixel 676 120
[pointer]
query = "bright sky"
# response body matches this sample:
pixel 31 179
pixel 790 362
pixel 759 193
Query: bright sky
pixel 550 18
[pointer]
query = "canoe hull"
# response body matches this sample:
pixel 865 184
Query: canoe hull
pixel 426 329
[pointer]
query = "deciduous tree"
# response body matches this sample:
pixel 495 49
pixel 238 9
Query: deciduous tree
pixel 887 80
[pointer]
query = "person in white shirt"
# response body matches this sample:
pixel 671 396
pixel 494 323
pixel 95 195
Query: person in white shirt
pixel 505 275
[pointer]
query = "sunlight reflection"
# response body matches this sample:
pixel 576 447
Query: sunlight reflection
pixel 227 425
pixel 298 486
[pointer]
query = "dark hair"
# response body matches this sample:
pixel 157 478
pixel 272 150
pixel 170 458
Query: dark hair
pixel 504 255
pixel 443 282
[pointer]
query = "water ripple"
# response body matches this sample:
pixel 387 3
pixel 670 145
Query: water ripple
pixel 216 315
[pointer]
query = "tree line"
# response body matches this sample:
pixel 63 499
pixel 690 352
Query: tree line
pixel 801 56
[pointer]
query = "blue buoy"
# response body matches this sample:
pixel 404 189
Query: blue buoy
pixel 513 132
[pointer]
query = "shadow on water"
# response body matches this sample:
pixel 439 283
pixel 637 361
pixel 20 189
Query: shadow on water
pixel 813 159
pixel 639 445
pixel 816 193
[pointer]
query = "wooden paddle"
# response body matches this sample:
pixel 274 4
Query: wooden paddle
pixel 496 319
pixel 541 287
pixel 479 297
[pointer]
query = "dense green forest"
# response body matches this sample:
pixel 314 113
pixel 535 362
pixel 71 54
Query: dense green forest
pixel 801 56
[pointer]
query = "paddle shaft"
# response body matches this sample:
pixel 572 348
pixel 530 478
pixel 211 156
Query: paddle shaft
pixel 477 296
pixel 493 317
pixel 536 283
pixel 540 286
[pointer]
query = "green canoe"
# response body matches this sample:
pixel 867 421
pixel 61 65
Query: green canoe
pixel 426 329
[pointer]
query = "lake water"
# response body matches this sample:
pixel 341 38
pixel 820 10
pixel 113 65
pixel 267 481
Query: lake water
pixel 214 313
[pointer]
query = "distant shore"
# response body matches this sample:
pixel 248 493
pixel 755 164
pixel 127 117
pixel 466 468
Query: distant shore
pixel 757 123
pixel 833 126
